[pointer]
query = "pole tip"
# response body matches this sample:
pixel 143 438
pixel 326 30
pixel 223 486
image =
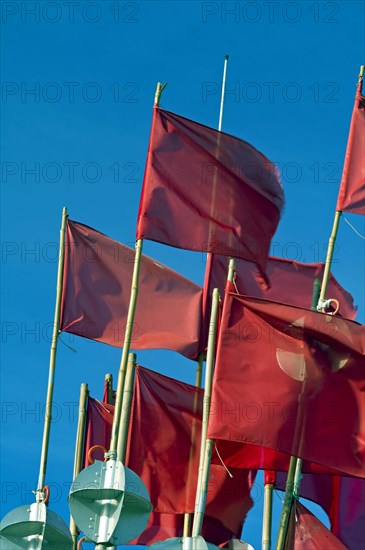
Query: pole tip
pixel 226 57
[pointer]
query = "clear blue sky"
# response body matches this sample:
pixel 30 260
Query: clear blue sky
pixel 78 87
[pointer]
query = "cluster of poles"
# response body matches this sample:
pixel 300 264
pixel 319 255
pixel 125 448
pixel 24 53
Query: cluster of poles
pixel 118 443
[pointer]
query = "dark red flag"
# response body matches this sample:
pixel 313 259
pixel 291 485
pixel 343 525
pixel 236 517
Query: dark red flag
pixel 166 417
pixel 208 191
pixel 97 285
pixel 290 380
pixel 306 532
pixel 342 498
pixel 351 197
pixel 290 282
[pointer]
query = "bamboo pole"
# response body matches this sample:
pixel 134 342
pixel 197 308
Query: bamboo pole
pixel 128 333
pixel 52 364
pixel 206 444
pixel 295 466
pixel 126 347
pixel 109 386
pixel 336 221
pixel 198 383
pixel 79 451
pixel 126 410
pixel 329 257
pixel 288 499
pixel 267 516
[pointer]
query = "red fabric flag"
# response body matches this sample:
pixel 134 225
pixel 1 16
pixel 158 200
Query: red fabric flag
pixel 97 285
pixel 290 282
pixel 165 415
pixel 342 498
pixel 351 197
pixel 306 532
pixel 280 375
pixel 208 191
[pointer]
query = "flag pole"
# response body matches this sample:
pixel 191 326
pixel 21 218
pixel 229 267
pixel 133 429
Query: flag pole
pixel 127 406
pixel 129 328
pixel 79 451
pixel 52 364
pixel 267 512
pixel 206 445
pixel 109 388
pixel 332 240
pixel 198 383
pixel 207 389
pixel 223 93
pixel 295 465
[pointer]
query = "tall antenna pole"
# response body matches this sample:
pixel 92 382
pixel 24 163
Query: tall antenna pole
pixel 223 93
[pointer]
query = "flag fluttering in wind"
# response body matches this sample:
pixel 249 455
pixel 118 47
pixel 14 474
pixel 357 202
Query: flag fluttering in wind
pixel 351 197
pixel 306 532
pixel 163 449
pixel 342 498
pixel 290 380
pixel 208 191
pixel 97 285
pixel 291 282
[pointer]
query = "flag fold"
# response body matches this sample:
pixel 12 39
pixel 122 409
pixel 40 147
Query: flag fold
pixel 97 285
pixel 290 380
pixel 208 191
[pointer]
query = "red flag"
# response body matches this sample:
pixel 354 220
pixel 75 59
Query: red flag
pixel 342 498
pixel 308 532
pixel 160 452
pixel 351 197
pixel 280 376
pixel 97 284
pixel 99 420
pixel 208 191
pixel 290 282
pixel 161 527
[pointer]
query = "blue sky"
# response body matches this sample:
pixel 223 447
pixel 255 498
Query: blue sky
pixel 78 82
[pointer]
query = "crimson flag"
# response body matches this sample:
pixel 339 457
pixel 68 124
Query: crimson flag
pixel 342 498
pixel 306 532
pixel 97 284
pixel 208 191
pixel 351 197
pixel 290 282
pixel 165 418
pixel 280 375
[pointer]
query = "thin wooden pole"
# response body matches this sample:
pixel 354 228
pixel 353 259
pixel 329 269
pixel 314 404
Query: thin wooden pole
pixel 52 364
pixel 79 451
pixel 128 333
pixel 109 389
pixel 206 445
pixel 203 490
pixel 125 353
pixel 126 409
pixel 329 257
pixel 267 516
pixel 198 383
pixel 295 466
pixel 288 498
